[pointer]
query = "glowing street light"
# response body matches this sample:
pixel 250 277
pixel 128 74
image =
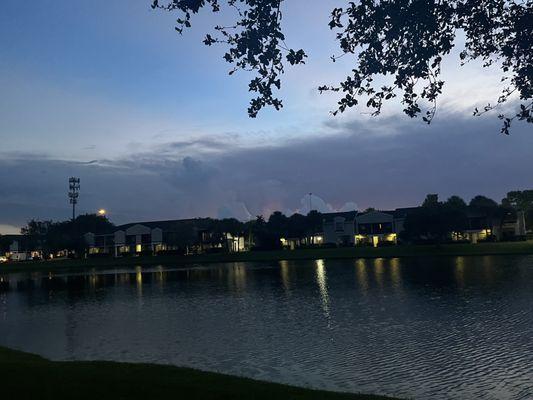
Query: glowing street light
pixel 102 212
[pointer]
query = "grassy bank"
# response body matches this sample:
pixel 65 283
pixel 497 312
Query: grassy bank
pixel 26 376
pixel 506 248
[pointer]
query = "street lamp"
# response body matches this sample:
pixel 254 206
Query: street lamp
pixel 102 212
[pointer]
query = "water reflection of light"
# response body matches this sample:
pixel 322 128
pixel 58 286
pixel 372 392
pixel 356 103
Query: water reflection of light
pixel 160 275
pixel 139 280
pixel 361 273
pixel 284 270
pixel 378 271
pixel 488 269
pixel 396 273
pixel 92 280
pixel 321 280
pixel 237 277
pixel 459 271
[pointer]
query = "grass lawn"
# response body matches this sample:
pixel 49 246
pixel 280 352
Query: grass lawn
pixel 500 248
pixel 27 376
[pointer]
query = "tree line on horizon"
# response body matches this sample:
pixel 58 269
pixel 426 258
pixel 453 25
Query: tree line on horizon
pixel 436 221
pixel 433 219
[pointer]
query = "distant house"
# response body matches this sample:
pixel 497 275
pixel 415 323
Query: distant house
pixel 339 228
pixel 369 228
pixel 514 225
pixel 481 227
pixel 376 227
pixel 186 236
pixel 18 248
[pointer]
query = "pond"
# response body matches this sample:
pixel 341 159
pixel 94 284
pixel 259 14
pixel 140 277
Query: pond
pixel 422 328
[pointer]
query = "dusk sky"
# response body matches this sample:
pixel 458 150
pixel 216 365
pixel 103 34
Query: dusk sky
pixel 155 128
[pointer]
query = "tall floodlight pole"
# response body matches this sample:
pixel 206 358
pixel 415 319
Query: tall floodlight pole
pixel 73 193
pixel 310 194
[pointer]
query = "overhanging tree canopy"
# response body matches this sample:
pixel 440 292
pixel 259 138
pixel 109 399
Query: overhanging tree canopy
pixel 404 40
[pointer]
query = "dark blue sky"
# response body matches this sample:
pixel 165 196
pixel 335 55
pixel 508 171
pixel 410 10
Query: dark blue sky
pixel 155 127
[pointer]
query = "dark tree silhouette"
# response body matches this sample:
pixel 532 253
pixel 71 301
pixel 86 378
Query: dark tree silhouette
pixel 482 203
pixel 278 224
pixel 54 236
pixel 521 201
pixel 401 41
pixel 297 226
pixel 255 42
pixel 455 214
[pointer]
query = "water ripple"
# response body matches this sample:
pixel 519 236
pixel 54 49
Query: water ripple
pixel 447 328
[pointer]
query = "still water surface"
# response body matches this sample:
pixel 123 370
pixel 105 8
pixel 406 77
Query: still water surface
pixel 422 328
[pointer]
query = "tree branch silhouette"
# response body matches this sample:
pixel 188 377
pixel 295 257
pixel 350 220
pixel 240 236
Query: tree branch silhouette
pixel 400 40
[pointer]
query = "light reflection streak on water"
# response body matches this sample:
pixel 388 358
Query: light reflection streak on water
pixel 459 271
pixel 362 275
pixel 321 280
pixel 237 277
pixel 93 279
pixel 160 277
pixel 396 274
pixel 414 335
pixel 378 271
pixel 488 269
pixel 285 278
pixel 139 280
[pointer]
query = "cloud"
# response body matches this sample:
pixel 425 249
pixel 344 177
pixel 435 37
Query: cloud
pixel 207 144
pixel 235 210
pixel 9 229
pixel 349 206
pixel 313 202
pixel 345 168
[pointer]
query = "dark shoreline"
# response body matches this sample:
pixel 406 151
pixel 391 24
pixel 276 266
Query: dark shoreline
pixel 28 376
pixel 480 249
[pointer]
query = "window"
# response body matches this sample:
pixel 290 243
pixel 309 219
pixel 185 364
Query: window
pixel 364 228
pixel 160 247
pixel 146 238
pixel 382 227
pixel 339 224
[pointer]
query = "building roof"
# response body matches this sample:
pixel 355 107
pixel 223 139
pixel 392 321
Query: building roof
pixel 351 215
pixel 169 225
pixel 348 215
pixel 402 212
